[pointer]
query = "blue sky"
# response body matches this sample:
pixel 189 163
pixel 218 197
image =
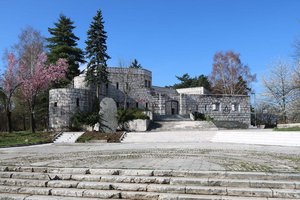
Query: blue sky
pixel 169 37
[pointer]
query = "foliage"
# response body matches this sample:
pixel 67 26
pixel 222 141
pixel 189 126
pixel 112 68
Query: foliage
pixel 287 129
pixel 38 78
pixel 24 138
pixel 135 64
pixel 96 52
pixel 201 117
pixel 126 115
pixel 229 75
pixel 84 118
pixel 9 83
pixel 187 81
pixel 63 44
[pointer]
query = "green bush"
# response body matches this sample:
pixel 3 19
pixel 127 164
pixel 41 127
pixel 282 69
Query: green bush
pixel 84 118
pixel 123 116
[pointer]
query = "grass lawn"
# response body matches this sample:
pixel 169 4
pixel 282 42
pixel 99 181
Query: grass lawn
pixel 23 138
pixel 287 129
pixel 92 135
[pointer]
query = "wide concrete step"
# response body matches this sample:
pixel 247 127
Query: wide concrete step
pixel 71 181
pixel 26 182
pixel 154 192
pixel 7 196
pixel 182 126
pixel 67 173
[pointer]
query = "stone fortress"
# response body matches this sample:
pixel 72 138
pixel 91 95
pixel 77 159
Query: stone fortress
pixel 132 88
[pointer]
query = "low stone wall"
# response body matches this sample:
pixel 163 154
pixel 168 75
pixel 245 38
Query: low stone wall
pixel 138 125
pixel 288 125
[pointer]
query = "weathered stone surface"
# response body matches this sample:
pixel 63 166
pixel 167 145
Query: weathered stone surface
pixel 37 176
pixel 249 192
pixel 23 182
pixel 67 192
pixel 108 113
pixel 94 185
pixel 166 188
pixel 101 194
pixel 206 190
pixel 12 196
pixel 87 177
pixel 136 172
pixel 139 195
pixel 62 184
pixel 5 174
pixel 129 186
pixel 34 190
pixel 9 189
pixel 104 171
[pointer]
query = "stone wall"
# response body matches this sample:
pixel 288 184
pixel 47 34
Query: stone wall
pixel 219 107
pixel 64 102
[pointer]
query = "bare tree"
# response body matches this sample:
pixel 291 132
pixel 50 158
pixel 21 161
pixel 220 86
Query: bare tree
pixel 280 88
pixel 126 80
pixel 229 75
pixel 31 44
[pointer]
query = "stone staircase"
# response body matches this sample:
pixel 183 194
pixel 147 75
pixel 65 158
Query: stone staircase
pixel 182 126
pixel 68 137
pixel 51 183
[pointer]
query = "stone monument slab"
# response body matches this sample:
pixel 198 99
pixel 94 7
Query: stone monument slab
pixel 108 114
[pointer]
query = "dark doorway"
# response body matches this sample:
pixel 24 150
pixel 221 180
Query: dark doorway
pixel 172 107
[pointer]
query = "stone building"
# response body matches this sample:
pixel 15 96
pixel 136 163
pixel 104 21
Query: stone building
pixel 132 88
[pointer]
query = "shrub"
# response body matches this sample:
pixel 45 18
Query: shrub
pixel 84 118
pixel 123 116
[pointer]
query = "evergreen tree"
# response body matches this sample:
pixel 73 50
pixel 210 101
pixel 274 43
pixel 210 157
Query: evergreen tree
pixel 135 64
pixel 96 52
pixel 63 44
pixel 186 81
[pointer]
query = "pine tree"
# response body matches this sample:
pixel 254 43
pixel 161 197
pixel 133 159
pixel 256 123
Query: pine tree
pixel 135 64
pixel 96 52
pixel 63 44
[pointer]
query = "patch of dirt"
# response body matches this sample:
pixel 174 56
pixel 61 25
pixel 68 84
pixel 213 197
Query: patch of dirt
pixel 93 135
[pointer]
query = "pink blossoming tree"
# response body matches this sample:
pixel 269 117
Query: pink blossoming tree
pixel 9 85
pixel 38 78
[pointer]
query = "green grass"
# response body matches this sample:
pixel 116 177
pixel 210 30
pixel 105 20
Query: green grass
pixel 24 138
pixel 287 129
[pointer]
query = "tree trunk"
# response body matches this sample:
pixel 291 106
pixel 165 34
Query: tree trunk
pixel 24 122
pixel 8 114
pixel 32 122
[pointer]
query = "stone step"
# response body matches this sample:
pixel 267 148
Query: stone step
pixel 182 125
pixel 7 196
pixel 68 137
pixel 155 192
pixel 66 173
pixel 71 180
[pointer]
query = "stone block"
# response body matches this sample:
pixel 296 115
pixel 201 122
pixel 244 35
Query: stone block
pixel 108 113
pixel 135 172
pixel 88 177
pixel 206 190
pixel 166 189
pixel 34 191
pixel 62 184
pixel 105 194
pixel 94 185
pixel 129 186
pixel 67 192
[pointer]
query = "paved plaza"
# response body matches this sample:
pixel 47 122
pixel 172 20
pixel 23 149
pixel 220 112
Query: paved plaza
pixel 208 153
